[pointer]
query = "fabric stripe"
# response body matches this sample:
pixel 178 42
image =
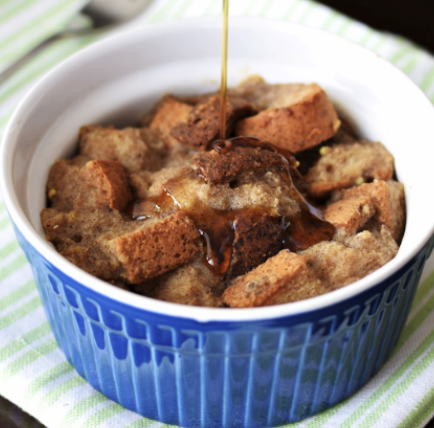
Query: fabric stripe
pixel 61 52
pixel 423 289
pixel 102 415
pixel 18 294
pixel 29 357
pixel 4 222
pixel 391 380
pixel 18 6
pixel 428 81
pixel 48 377
pixel 82 407
pixel 414 324
pixel 421 413
pixel 27 339
pixel 402 387
pixel 17 263
pixel 21 312
pixel 141 423
pixel 292 9
pixel 54 394
pixel 19 42
pixel 9 248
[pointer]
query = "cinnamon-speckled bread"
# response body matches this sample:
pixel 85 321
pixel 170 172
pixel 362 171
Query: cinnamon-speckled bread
pixel 161 211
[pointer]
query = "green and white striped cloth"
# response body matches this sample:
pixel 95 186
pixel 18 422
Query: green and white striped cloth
pixel 34 373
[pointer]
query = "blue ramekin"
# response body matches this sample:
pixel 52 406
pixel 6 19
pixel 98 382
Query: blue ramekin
pixel 225 374
pixel 199 367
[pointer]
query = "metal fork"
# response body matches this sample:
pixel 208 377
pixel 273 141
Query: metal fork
pixel 105 16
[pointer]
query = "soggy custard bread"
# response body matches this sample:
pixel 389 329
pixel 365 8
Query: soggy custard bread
pixel 289 206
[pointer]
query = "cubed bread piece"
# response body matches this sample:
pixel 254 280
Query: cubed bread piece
pixel 170 113
pixel 202 127
pixel 261 285
pixel 140 183
pixel 300 117
pixel 336 264
pixel 134 148
pixel 192 284
pixel 350 214
pixel 156 248
pixel 263 95
pixel 60 227
pixel 161 177
pixel 255 240
pixel 218 168
pixel 145 183
pixel 92 259
pixel 346 165
pixel 64 183
pixel 327 266
pixel 77 184
pixel 388 200
pixel 102 183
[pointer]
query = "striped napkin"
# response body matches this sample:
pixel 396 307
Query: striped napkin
pixel 34 373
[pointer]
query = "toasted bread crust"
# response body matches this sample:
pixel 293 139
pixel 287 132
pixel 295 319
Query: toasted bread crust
pixel 255 240
pixel 259 286
pixel 350 214
pixel 327 266
pixel 388 200
pixel 306 119
pixel 134 148
pixel 202 127
pixel 205 217
pixel 152 251
pixel 169 114
pixel 336 264
pixel 343 165
pixel 219 168
pixel 192 284
pixel 107 182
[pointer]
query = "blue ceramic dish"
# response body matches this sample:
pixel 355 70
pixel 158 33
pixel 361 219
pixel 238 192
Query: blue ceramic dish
pixel 199 367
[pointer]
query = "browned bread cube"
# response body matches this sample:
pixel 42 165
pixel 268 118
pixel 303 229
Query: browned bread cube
pixel 64 182
pixel 218 168
pixel 134 148
pixel 156 248
pixel 170 113
pixel 350 214
pixel 202 127
pixel 192 284
pixel 301 117
pixel 255 240
pixel 103 183
pixel 388 200
pixel 336 264
pixel 77 184
pixel 346 165
pixel 261 285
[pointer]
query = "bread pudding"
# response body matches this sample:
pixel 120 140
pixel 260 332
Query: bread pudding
pixel 290 205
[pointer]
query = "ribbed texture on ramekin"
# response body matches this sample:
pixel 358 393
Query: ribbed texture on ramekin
pixel 234 374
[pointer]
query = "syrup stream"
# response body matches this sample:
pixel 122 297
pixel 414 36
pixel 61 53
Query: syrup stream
pixel 217 227
pixel 223 87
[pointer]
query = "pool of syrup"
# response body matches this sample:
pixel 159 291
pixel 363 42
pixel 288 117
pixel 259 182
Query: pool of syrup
pixel 217 227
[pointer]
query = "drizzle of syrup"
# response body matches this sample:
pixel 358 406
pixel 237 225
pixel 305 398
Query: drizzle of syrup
pixel 223 86
pixel 217 228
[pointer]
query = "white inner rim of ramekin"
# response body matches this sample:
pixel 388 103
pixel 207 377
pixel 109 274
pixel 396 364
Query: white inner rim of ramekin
pixel 412 97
